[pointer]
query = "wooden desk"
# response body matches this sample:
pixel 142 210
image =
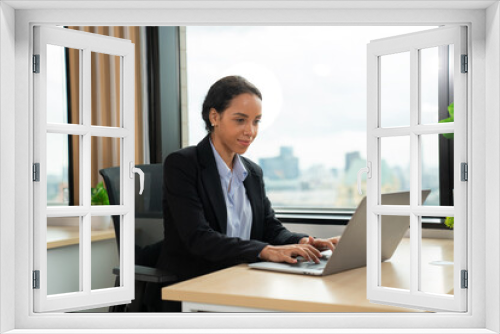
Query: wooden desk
pixel 60 236
pixel 241 289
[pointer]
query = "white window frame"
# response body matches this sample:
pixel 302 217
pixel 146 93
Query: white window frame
pixel 86 43
pixel 484 102
pixel 412 44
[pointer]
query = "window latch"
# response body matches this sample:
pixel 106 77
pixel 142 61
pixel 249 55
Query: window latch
pixel 368 171
pixel 134 170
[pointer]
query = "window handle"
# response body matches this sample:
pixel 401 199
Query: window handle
pixel 368 171
pixel 136 170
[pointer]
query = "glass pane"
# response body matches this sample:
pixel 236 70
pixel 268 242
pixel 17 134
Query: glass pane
pixel 429 85
pixel 436 84
pixel 63 171
pixel 395 165
pixel 63 255
pixel 395 90
pixel 395 253
pixel 104 252
pixel 437 265
pixel 105 154
pixel 437 169
pixel 106 89
pixel 329 140
pixel 451 72
pixel 63 85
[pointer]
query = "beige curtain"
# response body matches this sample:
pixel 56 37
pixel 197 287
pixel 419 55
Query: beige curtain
pixel 105 83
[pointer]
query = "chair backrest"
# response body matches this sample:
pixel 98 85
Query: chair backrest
pixel 147 205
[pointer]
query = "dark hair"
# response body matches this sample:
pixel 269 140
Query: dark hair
pixel 221 94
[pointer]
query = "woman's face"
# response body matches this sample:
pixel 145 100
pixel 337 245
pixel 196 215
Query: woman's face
pixel 237 126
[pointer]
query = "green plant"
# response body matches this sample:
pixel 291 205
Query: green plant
pixel 451 110
pixel 99 195
pixel 450 222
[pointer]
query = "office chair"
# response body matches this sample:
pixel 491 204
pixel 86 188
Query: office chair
pixel 147 205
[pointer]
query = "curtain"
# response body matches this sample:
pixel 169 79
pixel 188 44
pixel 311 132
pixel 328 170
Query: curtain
pixel 105 82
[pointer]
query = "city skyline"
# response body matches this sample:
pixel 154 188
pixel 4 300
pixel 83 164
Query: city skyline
pixel 319 186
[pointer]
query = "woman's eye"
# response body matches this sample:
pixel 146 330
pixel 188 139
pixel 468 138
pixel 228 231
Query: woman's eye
pixel 257 122
pixel 240 120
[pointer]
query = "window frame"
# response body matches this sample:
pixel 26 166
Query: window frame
pixel 414 45
pixel 85 43
pixel 479 316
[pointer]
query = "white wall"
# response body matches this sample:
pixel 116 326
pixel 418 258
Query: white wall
pixel 7 160
pixel 492 163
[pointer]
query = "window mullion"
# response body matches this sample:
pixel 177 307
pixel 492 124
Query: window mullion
pixel 415 194
pixel 85 165
pixel 128 161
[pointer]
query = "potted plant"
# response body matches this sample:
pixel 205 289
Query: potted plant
pixel 449 222
pixel 99 196
pixel 451 111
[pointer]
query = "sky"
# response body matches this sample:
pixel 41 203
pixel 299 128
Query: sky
pixel 313 82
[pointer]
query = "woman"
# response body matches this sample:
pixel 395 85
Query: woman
pixel 216 212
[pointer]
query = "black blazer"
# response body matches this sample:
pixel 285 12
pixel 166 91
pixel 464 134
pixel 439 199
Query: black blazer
pixel 195 216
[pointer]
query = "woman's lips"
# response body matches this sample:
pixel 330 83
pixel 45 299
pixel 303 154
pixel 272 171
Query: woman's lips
pixel 244 142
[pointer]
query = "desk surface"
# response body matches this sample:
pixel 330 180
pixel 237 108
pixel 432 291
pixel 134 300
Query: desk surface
pixel 343 292
pixel 60 236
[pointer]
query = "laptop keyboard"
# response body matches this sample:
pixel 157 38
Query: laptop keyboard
pixel 302 263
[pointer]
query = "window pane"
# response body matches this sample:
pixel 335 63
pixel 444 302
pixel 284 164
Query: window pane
pixel 395 267
pixel 63 96
pixel 106 89
pixel 106 153
pixel 63 255
pixel 395 164
pixel 63 174
pixel 429 85
pixel 395 90
pixel 437 265
pixel 436 84
pixel 104 253
pixel 312 139
pixel 437 170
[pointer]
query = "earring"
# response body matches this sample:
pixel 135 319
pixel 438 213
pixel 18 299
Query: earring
pixel 213 125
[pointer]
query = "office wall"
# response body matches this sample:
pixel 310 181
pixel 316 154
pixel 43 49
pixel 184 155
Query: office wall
pixel 7 160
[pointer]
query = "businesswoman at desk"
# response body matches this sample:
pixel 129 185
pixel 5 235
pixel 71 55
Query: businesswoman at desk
pixel 216 212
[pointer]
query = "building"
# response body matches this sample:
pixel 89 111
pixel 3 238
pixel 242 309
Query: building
pixel 283 167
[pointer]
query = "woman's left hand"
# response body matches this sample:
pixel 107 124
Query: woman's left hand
pixel 321 244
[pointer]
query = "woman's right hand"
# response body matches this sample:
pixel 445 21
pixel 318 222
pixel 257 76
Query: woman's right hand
pixel 288 253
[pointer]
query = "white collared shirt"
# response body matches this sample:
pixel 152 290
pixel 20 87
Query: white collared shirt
pixel 239 211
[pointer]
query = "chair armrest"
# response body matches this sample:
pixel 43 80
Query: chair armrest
pixel 148 274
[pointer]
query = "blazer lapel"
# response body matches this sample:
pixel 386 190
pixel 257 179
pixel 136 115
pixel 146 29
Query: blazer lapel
pixel 252 186
pixel 211 180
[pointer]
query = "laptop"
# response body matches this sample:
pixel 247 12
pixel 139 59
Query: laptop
pixel 350 252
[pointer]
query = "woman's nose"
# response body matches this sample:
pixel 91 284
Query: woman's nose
pixel 250 130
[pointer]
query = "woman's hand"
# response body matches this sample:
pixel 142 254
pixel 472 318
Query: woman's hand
pixel 288 253
pixel 321 244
